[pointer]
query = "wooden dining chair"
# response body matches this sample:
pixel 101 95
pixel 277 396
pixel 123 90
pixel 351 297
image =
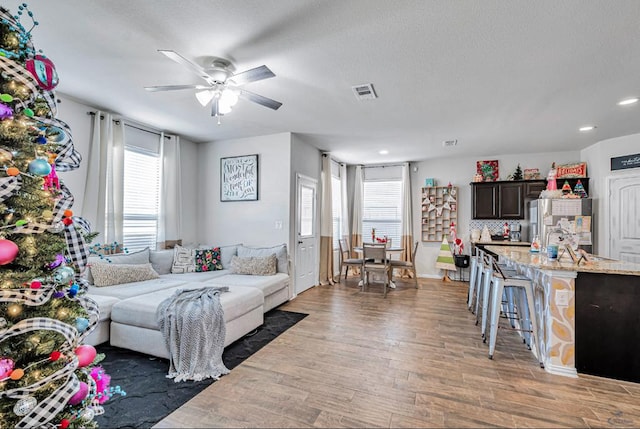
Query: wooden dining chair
pixel 375 260
pixel 407 265
pixel 346 260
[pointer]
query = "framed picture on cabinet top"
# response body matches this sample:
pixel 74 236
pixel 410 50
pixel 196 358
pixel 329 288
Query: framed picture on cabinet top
pixel 239 178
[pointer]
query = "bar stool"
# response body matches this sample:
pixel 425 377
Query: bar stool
pixel 483 292
pixel 527 318
pixel 473 272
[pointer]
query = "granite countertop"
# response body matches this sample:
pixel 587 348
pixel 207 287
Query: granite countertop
pixel 502 243
pixel 598 264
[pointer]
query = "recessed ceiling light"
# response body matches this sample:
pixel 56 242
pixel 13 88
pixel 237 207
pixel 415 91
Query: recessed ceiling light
pixel 384 152
pixel 587 128
pixel 627 101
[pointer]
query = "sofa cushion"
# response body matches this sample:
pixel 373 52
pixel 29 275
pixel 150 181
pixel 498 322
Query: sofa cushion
pixel 226 253
pixel 128 290
pixel 256 266
pixel 259 252
pixel 196 277
pixel 162 260
pixel 115 274
pixel 139 257
pixel 267 284
pixel 141 310
pixel 105 304
pixel 207 260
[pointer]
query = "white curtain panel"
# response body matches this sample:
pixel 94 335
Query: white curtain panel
pixel 344 214
pixel 358 201
pixel 170 219
pixel 407 222
pixel 326 224
pixel 103 195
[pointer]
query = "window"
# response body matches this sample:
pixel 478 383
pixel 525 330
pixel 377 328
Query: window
pixel 382 210
pixel 141 203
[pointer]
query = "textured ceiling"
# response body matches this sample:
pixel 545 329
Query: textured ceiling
pixel 505 76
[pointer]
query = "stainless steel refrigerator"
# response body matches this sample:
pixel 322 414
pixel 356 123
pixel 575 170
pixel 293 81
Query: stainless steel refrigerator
pixel 562 220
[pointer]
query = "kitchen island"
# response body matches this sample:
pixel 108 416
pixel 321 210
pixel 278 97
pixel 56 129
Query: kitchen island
pixel 589 315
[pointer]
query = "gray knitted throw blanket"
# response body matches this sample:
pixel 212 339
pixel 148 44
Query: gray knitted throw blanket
pixel 192 323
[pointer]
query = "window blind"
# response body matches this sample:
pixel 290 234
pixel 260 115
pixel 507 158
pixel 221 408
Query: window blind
pixel 382 210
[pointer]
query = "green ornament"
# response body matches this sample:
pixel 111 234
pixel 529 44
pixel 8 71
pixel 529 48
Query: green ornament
pixel 7 98
pixel 22 222
pixel 28 112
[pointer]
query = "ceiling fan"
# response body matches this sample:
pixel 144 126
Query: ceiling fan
pixel 222 86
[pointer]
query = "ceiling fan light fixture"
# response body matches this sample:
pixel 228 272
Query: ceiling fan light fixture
pixel 229 97
pixel 204 97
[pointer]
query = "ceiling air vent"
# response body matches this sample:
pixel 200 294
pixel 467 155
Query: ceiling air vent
pixel 449 143
pixel 364 91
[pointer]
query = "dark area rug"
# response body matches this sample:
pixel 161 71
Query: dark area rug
pixel 151 396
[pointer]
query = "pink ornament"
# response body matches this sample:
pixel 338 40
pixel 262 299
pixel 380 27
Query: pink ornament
pixel 6 366
pixel 43 71
pixel 86 354
pixel 8 251
pixel 51 181
pixel 80 394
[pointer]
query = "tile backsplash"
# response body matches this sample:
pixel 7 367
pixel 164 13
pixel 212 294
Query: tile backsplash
pixel 494 225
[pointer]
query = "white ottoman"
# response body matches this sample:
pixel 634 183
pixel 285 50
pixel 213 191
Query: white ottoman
pixel 134 326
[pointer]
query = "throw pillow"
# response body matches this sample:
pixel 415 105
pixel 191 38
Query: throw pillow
pixel 254 266
pixel 207 260
pixel 161 260
pixel 133 258
pixel 279 250
pixel 186 260
pixel 115 274
pixel 226 253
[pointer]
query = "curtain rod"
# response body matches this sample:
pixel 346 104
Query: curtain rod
pixel 385 165
pixel 117 121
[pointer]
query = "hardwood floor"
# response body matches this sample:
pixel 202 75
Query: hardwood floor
pixel 414 359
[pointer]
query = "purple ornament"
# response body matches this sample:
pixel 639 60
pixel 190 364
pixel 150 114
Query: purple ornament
pixel 59 261
pixel 5 111
pixel 58 294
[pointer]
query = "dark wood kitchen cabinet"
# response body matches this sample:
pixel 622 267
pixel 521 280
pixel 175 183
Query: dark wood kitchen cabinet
pixel 503 200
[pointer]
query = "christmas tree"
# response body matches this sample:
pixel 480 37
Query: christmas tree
pixel 48 377
pixel 579 190
pixel 445 259
pixel 517 175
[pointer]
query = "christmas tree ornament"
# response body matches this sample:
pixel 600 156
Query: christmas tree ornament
pixel 579 189
pixel 80 395
pixel 55 134
pixel 13 171
pixel 86 354
pixel 64 423
pixel 6 98
pixel 63 275
pixel 88 414
pixel 8 251
pixel 40 167
pixel 5 111
pixel 56 227
pixel 6 366
pixel 24 406
pixel 82 324
pixel 73 290
pixel 43 71
pixel 41 139
pixel 55 355
pixel 59 261
pixel 566 188
pixel 5 156
pixel 16 374
pixel 67 221
pixel 35 284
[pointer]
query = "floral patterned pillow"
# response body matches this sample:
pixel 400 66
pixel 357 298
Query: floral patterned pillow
pixel 207 260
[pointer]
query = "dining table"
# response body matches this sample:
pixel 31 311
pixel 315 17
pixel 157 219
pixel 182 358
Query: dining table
pixel 390 252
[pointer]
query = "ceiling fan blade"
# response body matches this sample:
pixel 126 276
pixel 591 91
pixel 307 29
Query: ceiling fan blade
pixel 252 75
pixel 189 64
pixel 173 87
pixel 264 101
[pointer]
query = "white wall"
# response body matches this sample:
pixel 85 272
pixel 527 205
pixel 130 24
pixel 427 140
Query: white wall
pixel 189 184
pixel 248 222
pixel 598 159
pixel 459 170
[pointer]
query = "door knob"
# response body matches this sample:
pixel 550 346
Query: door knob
pixel 299 242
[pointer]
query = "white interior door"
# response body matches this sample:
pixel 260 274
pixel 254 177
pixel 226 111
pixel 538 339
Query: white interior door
pixel 624 218
pixel 306 265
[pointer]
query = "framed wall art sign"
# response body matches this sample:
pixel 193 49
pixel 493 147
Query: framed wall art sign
pixel 239 178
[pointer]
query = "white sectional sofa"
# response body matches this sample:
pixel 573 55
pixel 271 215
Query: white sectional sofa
pixel 128 310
